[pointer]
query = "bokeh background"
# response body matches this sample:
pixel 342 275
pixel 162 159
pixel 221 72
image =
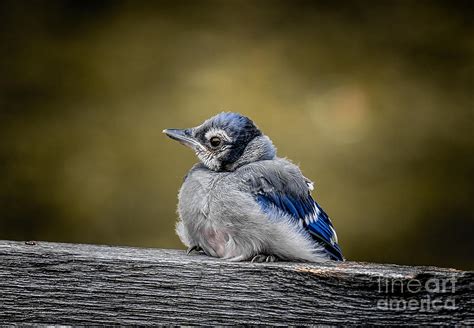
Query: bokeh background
pixel 374 100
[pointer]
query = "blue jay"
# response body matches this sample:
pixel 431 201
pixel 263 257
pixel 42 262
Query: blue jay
pixel 241 202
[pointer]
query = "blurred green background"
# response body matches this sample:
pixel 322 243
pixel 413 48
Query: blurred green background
pixel 374 100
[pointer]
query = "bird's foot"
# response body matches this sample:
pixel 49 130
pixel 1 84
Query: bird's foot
pixel 195 248
pixel 260 258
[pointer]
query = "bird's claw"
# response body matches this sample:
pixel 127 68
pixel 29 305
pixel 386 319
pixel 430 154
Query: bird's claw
pixel 195 248
pixel 260 258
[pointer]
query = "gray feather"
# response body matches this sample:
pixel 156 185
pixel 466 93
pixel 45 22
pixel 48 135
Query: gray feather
pixel 218 211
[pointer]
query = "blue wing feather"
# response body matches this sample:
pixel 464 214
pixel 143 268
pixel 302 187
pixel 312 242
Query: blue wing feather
pixel 317 222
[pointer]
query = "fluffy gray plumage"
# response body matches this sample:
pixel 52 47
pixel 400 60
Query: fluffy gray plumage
pixel 218 202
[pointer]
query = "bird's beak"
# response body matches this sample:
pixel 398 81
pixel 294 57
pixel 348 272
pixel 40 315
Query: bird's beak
pixel 183 136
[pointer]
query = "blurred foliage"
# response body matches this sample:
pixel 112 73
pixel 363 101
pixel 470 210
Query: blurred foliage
pixel 374 99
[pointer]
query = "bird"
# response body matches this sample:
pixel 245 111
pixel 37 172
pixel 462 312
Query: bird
pixel 241 202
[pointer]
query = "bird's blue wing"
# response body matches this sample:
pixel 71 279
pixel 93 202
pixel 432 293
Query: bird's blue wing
pixel 306 213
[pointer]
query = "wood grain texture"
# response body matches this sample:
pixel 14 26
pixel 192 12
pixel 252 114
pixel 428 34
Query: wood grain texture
pixel 52 283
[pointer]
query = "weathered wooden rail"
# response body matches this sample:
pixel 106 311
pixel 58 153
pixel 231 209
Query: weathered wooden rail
pixel 51 283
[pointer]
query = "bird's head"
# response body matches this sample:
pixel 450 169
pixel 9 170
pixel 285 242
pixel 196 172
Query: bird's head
pixel 225 142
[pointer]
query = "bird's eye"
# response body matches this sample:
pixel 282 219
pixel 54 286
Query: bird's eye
pixel 215 141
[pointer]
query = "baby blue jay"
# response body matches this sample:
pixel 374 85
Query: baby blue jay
pixel 242 202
